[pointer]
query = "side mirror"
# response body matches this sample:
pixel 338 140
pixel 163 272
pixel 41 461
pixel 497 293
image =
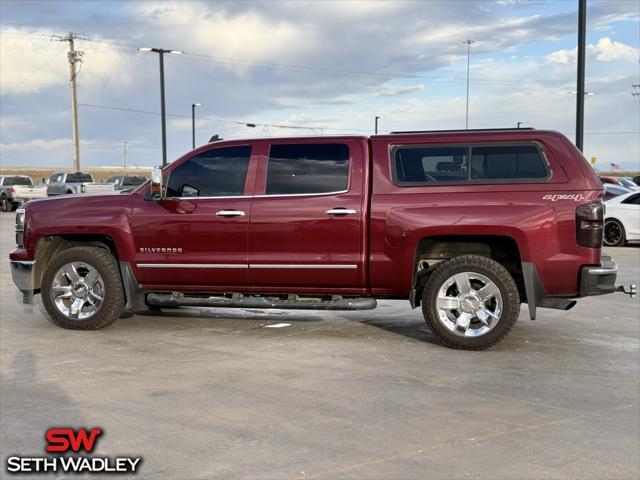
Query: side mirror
pixel 157 186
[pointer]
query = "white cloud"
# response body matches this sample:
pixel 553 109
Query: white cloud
pixel 605 50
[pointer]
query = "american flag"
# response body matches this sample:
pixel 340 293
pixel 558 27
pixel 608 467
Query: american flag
pixel 614 167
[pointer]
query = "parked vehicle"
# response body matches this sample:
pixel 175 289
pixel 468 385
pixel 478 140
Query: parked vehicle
pixel 126 183
pixel 468 224
pixel 16 189
pixel 622 219
pixel 611 180
pixel 62 183
pixel 613 191
pixel 636 180
pixel 628 183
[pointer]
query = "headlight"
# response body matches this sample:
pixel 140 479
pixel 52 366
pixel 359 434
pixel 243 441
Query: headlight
pixel 20 214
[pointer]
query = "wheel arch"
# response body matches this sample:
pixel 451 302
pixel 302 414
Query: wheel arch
pixel 51 245
pixel 432 250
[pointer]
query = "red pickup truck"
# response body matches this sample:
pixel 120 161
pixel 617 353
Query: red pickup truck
pixel 468 224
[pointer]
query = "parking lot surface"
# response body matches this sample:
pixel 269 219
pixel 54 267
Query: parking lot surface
pixel 203 393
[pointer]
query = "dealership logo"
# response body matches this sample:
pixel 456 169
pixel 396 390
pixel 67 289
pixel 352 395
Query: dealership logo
pixel 66 441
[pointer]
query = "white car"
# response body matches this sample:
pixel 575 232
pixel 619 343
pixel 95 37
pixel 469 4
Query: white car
pixel 622 219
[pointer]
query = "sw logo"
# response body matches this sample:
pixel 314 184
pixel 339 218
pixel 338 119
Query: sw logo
pixel 65 439
pixel 69 441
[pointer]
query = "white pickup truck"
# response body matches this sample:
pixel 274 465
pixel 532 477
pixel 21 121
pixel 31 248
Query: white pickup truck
pixel 62 183
pixel 16 189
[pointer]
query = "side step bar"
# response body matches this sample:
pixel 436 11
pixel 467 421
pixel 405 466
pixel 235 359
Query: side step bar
pixel 238 300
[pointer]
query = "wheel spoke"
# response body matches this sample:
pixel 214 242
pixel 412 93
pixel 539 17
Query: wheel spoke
pixel 485 314
pixel 62 292
pixel 489 291
pixel 94 298
pixel 71 272
pixel 462 322
pixel 462 282
pixel 75 308
pixel 91 277
pixel 448 303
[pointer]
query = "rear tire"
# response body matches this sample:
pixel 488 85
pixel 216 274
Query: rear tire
pixel 613 234
pixel 470 302
pixel 5 204
pixel 59 290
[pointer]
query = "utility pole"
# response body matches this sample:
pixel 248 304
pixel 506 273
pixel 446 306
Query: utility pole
pixel 376 130
pixel 468 41
pixel 582 29
pixel 74 57
pixel 124 158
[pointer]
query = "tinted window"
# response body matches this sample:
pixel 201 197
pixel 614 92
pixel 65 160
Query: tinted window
pixel 430 164
pixel 307 168
pixel 216 173
pixel 507 162
pixel 17 181
pixel 56 177
pixel 79 178
pixel 136 180
pixel 633 199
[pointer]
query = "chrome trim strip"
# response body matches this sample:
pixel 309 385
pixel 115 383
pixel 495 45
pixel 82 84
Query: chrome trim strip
pixel 321 194
pixel 257 266
pixel 192 265
pixel 299 266
pixel 209 198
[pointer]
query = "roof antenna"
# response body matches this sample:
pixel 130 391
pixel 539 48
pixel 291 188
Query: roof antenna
pixel 215 138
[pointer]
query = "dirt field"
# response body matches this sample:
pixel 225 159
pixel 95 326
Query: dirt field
pixel 99 174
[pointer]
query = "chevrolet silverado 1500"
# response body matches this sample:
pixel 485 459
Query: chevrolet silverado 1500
pixel 467 224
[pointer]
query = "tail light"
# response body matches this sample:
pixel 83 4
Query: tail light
pixel 13 191
pixel 589 223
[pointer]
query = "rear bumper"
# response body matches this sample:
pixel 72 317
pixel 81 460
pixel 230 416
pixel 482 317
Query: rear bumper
pixel 22 272
pixel 599 280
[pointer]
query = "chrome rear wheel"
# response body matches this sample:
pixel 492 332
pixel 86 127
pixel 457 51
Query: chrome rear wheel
pixel 469 304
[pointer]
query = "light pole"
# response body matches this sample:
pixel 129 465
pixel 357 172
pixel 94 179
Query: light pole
pixel 468 41
pixel 161 52
pixel 582 28
pixel 376 130
pixel 193 123
pixel 124 158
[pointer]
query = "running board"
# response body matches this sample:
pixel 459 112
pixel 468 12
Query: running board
pixel 238 300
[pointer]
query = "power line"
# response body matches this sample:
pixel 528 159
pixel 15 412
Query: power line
pixel 223 120
pixel 314 69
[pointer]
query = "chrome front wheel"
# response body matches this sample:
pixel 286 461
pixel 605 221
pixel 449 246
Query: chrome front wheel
pixel 77 290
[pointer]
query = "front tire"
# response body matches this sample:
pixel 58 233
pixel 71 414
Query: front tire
pixel 470 302
pixel 82 289
pixel 613 234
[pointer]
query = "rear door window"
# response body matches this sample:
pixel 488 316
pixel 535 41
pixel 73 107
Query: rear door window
pixel 216 173
pixel 295 169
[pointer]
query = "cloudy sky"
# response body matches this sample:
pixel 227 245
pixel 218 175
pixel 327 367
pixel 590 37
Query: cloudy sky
pixel 329 66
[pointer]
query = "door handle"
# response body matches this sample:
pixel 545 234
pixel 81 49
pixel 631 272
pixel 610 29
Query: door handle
pixel 340 211
pixel 230 213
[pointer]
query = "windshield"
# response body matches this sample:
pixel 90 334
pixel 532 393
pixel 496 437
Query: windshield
pixel 79 178
pixel 17 181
